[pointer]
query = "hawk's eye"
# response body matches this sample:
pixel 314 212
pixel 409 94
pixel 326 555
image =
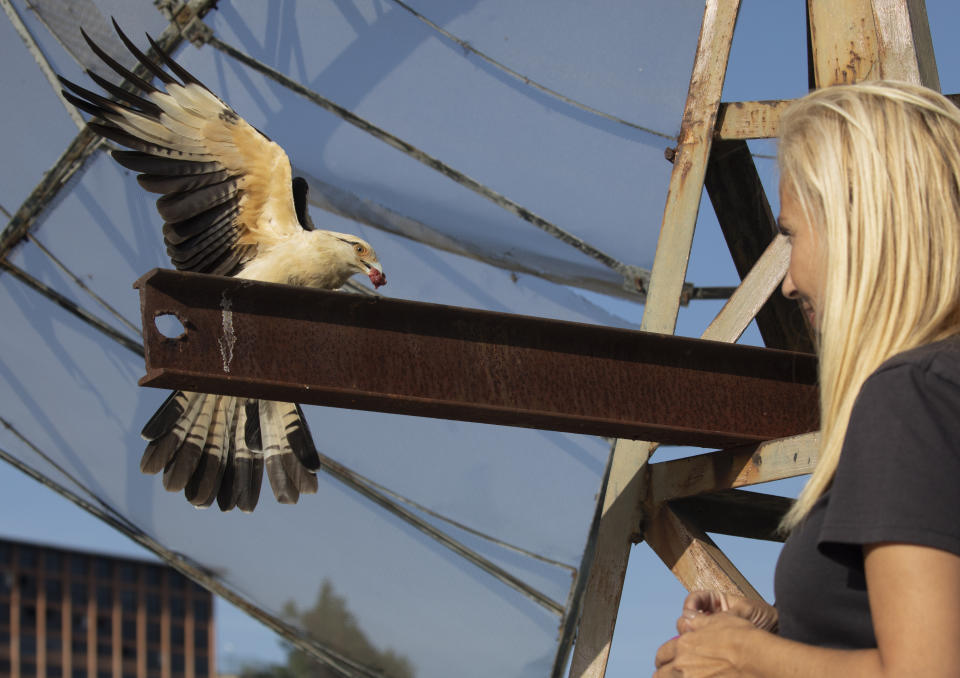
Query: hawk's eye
pixel 360 249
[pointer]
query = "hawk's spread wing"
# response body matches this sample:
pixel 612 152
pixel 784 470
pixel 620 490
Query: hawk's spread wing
pixel 226 187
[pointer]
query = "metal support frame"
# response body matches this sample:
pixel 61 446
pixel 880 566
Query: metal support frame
pixel 850 40
pixel 623 510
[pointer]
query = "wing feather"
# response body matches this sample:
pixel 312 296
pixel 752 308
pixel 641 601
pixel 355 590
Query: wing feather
pixel 241 181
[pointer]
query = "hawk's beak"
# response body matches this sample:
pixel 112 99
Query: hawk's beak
pixel 376 275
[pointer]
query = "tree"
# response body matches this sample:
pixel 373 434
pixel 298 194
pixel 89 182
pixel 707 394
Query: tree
pixel 331 623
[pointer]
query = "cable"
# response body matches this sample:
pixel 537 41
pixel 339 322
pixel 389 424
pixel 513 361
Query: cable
pixel 82 285
pixel 467 47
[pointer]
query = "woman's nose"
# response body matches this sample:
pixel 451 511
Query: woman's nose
pixel 789 289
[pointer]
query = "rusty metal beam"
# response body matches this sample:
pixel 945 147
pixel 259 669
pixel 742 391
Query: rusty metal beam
pixel 329 348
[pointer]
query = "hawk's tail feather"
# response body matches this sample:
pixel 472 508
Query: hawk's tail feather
pixel 178 471
pixel 284 455
pixel 275 448
pixel 251 429
pixel 301 440
pixel 165 416
pixel 167 429
pixel 243 476
pixel 216 448
pixel 204 484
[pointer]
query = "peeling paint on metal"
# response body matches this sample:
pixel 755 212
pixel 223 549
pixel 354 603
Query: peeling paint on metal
pixel 227 339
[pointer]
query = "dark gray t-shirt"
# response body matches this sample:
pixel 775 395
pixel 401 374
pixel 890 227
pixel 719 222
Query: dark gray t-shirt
pixel 898 480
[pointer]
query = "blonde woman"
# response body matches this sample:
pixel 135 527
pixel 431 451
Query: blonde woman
pixel 868 582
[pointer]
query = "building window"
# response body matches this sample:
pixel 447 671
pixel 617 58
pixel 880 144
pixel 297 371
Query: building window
pixel 104 674
pixel 104 597
pixel 176 662
pixel 153 576
pixel 200 666
pixel 28 668
pixel 103 568
pixel 104 650
pixel 54 620
pixel 177 580
pixel 128 573
pixel 78 565
pixel 79 622
pixel 28 586
pixel 54 589
pixel 78 646
pixel 177 608
pixel 54 642
pixel 28 616
pixel 6 581
pixel 78 673
pixel 201 609
pixel 4 614
pixel 54 671
pixel 200 638
pixel 78 593
pixel 28 556
pixel 6 553
pixel 130 629
pixel 153 604
pixel 52 561
pixel 153 659
pixel 153 632
pixel 28 645
pixel 128 600
pixel 104 626
pixel 176 635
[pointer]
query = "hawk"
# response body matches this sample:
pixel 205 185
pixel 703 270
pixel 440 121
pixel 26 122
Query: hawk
pixel 230 207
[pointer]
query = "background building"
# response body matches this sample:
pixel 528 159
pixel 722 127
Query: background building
pixel 71 613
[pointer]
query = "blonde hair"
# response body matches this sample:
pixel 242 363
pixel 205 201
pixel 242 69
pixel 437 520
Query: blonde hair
pixel 875 168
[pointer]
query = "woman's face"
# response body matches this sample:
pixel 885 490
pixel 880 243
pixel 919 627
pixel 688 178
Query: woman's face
pixel 803 280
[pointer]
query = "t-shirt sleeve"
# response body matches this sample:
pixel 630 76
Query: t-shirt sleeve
pixel 898 478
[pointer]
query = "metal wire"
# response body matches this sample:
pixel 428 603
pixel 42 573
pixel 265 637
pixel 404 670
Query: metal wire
pixel 83 286
pixel 66 474
pixel 630 273
pixel 458 525
pixel 467 47
pixel 37 54
pixel 347 668
pixel 72 307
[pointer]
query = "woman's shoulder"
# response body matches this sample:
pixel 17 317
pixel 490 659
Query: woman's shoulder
pixel 939 358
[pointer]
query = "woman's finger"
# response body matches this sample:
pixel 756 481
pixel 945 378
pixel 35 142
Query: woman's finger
pixel 701 601
pixel 667 652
